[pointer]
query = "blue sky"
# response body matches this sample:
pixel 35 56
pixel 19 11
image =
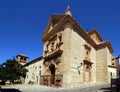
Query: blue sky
pixel 22 23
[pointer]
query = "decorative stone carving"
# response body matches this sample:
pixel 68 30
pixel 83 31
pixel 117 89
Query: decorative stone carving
pixel 46 48
pixel 68 25
pixel 58 60
pixel 46 63
pixel 60 36
pixel 52 46
pixel 87 46
pixel 46 45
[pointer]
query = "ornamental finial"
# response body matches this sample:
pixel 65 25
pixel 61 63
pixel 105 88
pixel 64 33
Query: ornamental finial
pixel 68 11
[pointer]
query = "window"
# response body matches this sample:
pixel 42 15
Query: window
pixel 113 63
pixel 87 50
pixel 21 58
pixel 25 59
pixel 52 43
pixel 39 72
pixel 113 59
pixel 119 61
pixel 111 74
pixel 87 53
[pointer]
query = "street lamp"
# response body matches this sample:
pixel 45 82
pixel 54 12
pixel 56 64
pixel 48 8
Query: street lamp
pixel 78 67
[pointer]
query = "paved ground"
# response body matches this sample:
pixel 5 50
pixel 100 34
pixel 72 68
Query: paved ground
pixel 38 88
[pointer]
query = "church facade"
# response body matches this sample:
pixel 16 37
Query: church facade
pixel 72 56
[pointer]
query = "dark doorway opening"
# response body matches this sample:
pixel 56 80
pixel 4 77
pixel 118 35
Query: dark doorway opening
pixel 52 70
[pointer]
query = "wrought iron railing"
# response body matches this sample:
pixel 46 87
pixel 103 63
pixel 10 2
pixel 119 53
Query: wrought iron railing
pixel 46 80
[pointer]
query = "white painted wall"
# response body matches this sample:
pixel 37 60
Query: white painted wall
pixel 34 71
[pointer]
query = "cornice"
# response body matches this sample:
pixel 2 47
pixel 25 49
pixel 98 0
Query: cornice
pixel 105 44
pixel 79 30
pixel 55 29
pixel 51 20
pixel 46 30
pixel 52 55
pixel 112 66
pixel 22 55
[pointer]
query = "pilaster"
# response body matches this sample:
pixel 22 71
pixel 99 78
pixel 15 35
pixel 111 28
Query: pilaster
pixel 66 54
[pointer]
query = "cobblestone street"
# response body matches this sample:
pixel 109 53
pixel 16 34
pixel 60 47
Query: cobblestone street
pixel 38 88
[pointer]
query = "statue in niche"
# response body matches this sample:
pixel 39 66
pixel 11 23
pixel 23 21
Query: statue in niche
pixel 46 46
pixel 56 45
pixel 60 37
pixel 59 40
pixel 52 46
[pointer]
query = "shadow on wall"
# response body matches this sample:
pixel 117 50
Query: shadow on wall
pixel 9 90
pixel 109 89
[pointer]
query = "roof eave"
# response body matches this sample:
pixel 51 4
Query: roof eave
pixel 104 44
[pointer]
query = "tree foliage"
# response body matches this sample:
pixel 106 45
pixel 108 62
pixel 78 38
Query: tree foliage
pixel 2 74
pixel 12 70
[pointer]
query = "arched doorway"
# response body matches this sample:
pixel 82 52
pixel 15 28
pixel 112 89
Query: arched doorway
pixel 52 70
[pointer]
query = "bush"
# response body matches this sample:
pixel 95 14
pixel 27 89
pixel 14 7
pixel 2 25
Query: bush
pixel 17 82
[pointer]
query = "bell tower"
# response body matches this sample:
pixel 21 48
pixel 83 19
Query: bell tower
pixel 22 59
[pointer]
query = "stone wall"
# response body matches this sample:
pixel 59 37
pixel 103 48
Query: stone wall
pixel 77 56
pixel 101 65
pixel 73 55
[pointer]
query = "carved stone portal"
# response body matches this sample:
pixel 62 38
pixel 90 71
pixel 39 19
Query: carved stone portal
pixel 87 73
pixel 52 77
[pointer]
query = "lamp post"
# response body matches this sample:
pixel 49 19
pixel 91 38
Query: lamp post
pixel 79 67
pixel 118 72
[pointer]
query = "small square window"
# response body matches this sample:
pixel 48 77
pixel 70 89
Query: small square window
pixel 113 63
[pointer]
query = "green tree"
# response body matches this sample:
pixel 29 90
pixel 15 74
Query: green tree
pixel 12 70
pixel 2 74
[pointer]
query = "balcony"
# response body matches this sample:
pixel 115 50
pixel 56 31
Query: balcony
pixel 87 60
pixel 53 54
